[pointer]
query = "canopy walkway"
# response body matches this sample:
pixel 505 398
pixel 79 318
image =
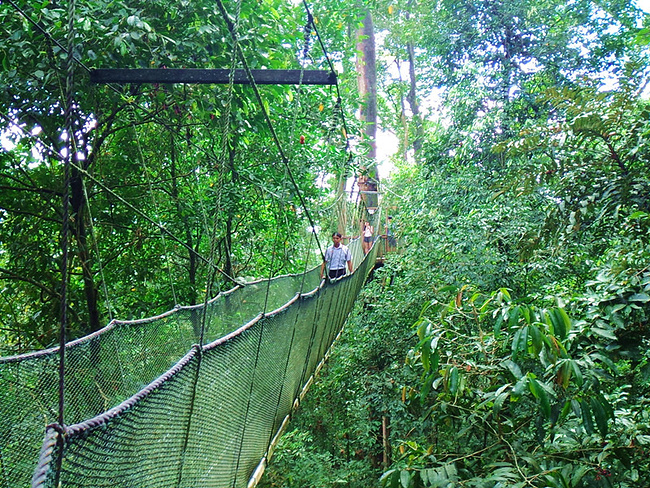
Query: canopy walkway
pixel 154 408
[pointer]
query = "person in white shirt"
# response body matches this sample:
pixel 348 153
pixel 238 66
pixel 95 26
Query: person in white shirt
pixel 367 237
pixel 337 256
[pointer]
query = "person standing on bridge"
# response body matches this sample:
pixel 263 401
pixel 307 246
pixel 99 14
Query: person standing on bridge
pixel 336 258
pixel 367 237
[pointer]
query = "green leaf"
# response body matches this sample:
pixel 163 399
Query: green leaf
pixel 540 393
pixel 426 387
pixel 599 415
pixel 425 355
pixel 587 421
pixel 435 360
pixel 387 477
pixel 564 374
pixel 520 387
pixel 501 395
pixel 565 411
pixel 566 320
pixel 577 374
pixel 606 361
pixel 454 380
pixel 405 478
pixel 497 326
pixel 609 411
pixel 513 368
pixel 640 297
pixel 513 318
pixel 536 337
pixel 517 342
pixel 560 322
pixel 606 333
pixel 577 473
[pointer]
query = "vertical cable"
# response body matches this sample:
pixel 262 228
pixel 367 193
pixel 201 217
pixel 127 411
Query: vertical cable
pixel 71 150
pixel 261 323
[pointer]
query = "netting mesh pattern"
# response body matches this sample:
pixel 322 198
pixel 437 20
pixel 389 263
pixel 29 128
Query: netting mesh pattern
pixel 163 417
pixel 108 367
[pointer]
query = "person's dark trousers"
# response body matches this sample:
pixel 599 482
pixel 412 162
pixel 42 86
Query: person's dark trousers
pixel 336 273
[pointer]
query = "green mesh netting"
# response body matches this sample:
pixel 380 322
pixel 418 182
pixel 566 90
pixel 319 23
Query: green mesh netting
pixel 207 421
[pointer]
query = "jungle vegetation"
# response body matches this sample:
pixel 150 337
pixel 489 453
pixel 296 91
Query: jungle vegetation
pixel 505 344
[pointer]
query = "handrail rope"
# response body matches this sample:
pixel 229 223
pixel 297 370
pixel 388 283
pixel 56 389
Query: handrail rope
pixel 283 157
pixel 156 208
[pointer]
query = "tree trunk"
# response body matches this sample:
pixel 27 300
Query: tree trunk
pixel 385 434
pixel 77 219
pixel 367 81
pixel 411 97
pixel 192 256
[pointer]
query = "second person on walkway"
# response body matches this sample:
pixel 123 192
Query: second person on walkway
pixel 367 237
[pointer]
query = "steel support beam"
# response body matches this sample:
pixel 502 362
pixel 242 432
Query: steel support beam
pixel 214 76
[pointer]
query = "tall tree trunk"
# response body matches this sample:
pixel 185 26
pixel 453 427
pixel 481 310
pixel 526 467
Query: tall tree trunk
pixel 77 218
pixel 367 81
pixel 385 436
pixel 189 241
pixel 411 97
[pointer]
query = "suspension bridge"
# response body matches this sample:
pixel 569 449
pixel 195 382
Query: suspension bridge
pixel 197 396
pixel 150 406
